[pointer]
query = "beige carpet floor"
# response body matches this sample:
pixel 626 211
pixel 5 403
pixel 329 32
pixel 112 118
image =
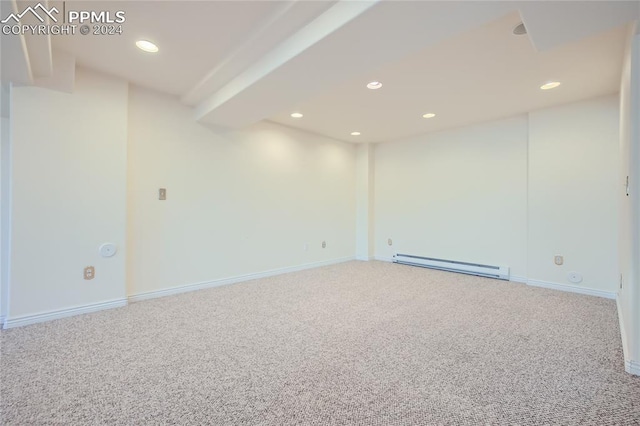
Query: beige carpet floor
pixel 360 343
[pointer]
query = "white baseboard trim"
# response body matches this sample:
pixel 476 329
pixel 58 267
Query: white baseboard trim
pixel 544 284
pixel 232 280
pixel 364 258
pixel 630 366
pixel 383 258
pixel 572 289
pixel 62 313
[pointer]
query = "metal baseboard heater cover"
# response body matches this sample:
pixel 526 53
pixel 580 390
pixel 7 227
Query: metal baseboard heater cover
pixel 499 272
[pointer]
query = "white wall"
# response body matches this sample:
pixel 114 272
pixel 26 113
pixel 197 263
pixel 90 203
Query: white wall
pixel 251 201
pixel 511 192
pixel 629 205
pixel 573 185
pixel 237 203
pixel 458 194
pixel 68 195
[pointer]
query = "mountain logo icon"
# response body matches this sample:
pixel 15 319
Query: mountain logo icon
pixel 44 13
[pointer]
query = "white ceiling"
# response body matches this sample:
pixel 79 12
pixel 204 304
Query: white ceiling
pixel 195 38
pixel 483 74
pixel 239 62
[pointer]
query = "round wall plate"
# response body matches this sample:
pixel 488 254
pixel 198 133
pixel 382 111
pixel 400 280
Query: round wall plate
pixel 574 277
pixel 108 250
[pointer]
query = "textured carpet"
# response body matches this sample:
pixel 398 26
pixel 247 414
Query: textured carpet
pixel 360 343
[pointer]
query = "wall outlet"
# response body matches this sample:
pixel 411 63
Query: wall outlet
pixel 89 273
pixel 162 194
pixel 305 247
pixel 324 244
pixel 390 242
pixel 558 260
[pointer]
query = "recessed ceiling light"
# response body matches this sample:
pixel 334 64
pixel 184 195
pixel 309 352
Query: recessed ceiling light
pixel 374 85
pixel 147 46
pixel 355 133
pixel 550 85
pixel 428 115
pixel 296 115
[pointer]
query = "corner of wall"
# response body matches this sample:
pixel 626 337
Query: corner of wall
pixel 628 300
pixel 5 196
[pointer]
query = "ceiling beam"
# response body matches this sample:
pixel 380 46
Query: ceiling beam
pixel 38 45
pixel 288 17
pixel 217 108
pixel 15 65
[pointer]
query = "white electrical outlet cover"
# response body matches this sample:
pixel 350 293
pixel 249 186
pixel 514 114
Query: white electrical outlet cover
pixel 108 250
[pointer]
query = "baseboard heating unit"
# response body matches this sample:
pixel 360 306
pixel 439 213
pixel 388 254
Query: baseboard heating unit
pixel 499 272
